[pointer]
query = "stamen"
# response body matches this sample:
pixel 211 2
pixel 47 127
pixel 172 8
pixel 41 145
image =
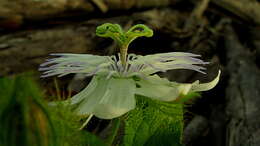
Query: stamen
pixel 86 122
pixel 132 57
pixel 113 57
pixel 113 64
pixel 141 67
pixel 119 57
pixel 127 63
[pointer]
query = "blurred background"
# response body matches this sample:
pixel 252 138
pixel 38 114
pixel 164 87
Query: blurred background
pixel 225 32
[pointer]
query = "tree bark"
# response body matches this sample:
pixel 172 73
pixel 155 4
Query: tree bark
pixel 242 94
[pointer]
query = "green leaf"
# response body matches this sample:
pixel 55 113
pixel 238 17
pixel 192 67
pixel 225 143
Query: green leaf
pixel 92 140
pixel 153 123
pixel 67 128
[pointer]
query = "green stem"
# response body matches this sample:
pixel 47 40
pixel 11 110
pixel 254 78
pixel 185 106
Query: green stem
pixel 115 128
pixel 123 54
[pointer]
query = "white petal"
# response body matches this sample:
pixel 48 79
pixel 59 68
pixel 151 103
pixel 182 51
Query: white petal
pixel 156 88
pixel 161 89
pixel 118 99
pixel 85 92
pixel 87 99
pixel 184 88
pixel 205 86
pixel 111 98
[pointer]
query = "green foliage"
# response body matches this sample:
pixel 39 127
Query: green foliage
pixel 154 123
pixel 23 118
pixel 26 121
pixel 67 128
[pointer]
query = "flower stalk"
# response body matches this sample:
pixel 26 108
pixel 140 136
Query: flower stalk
pixel 123 55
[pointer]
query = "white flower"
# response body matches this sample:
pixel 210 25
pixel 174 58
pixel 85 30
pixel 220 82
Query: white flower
pixel 111 92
